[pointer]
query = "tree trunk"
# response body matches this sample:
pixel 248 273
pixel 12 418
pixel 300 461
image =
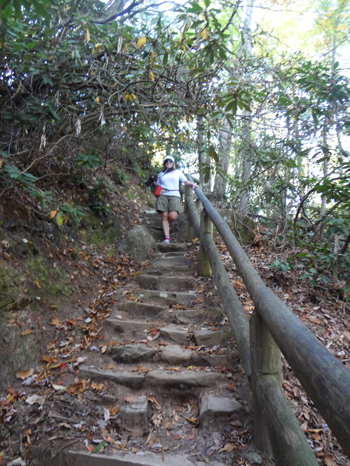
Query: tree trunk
pixel 224 153
pixel 246 129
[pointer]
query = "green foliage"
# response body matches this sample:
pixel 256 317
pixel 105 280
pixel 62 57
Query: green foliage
pixel 120 176
pixel 89 161
pixel 284 266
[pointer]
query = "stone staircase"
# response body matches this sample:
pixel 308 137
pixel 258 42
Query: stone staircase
pixel 172 369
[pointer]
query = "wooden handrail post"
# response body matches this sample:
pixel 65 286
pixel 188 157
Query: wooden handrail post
pixel 188 197
pixel 265 357
pixel 204 268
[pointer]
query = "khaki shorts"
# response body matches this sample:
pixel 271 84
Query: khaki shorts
pixel 168 204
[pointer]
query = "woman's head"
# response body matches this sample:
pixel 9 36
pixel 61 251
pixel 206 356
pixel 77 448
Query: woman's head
pixel 168 162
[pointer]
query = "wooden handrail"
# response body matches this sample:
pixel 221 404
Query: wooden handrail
pixel 323 377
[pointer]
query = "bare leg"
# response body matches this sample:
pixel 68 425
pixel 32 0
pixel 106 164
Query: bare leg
pixel 165 223
pixel 172 216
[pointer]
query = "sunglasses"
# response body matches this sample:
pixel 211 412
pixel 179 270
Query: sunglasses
pixel 168 161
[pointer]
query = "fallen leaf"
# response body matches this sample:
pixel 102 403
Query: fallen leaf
pixel 31 400
pixel 114 410
pixel 227 448
pixel 55 321
pixel 328 460
pixel 25 374
pixel 27 332
pixel 313 319
pixel 103 349
pixel 128 399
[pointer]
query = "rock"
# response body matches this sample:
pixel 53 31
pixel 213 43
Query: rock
pixel 253 458
pixel 217 439
pixel 215 360
pixel 137 243
pixel 212 338
pixel 212 407
pixel 175 333
pixel 197 316
pixel 241 226
pixel 166 283
pixel 130 354
pixel 17 462
pixel 186 231
pixel 184 379
pixel 173 354
pixel 130 379
pixel 136 415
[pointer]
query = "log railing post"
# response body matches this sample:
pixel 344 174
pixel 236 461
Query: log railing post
pixel 265 358
pixel 275 425
pixel 204 268
pixel 188 197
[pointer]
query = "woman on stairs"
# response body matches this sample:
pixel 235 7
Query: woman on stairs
pixel 168 202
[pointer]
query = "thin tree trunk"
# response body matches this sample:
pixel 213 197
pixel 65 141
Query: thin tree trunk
pixel 224 153
pixel 200 143
pixel 246 130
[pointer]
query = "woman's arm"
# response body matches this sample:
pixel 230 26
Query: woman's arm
pixel 189 183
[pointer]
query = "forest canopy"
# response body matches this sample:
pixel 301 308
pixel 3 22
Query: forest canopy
pixel 254 96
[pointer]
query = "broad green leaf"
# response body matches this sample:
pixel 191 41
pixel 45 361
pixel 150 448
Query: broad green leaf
pixel 59 219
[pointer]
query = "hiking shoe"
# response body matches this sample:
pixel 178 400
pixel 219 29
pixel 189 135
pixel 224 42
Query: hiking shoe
pixel 167 240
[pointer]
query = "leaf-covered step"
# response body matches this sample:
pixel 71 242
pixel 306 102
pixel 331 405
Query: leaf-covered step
pixel 183 380
pixel 129 329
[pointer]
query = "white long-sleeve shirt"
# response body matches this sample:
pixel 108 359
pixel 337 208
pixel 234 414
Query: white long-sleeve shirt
pixel 171 182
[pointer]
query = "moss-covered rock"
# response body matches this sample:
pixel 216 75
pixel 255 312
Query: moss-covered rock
pixel 137 243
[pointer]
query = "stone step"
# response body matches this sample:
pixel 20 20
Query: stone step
pixel 159 379
pixel 120 458
pixel 197 316
pixel 130 379
pixel 137 309
pixel 162 255
pixel 132 354
pixel 184 380
pixel 168 262
pixel 217 407
pixel 175 333
pixel 168 297
pixel 169 247
pixel 165 283
pixel 210 338
pixel 133 328
pixel 161 269
pixel 174 355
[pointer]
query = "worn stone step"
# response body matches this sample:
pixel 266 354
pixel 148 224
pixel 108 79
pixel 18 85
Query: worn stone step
pixel 133 328
pixel 197 316
pixel 168 247
pixel 168 297
pixel 135 415
pixel 175 333
pixel 131 354
pixel 212 338
pixel 168 262
pixel 173 354
pixel 120 458
pixel 163 255
pixel 215 407
pixel 138 309
pixel 160 269
pixel 130 379
pixel 165 283
pixel 184 380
